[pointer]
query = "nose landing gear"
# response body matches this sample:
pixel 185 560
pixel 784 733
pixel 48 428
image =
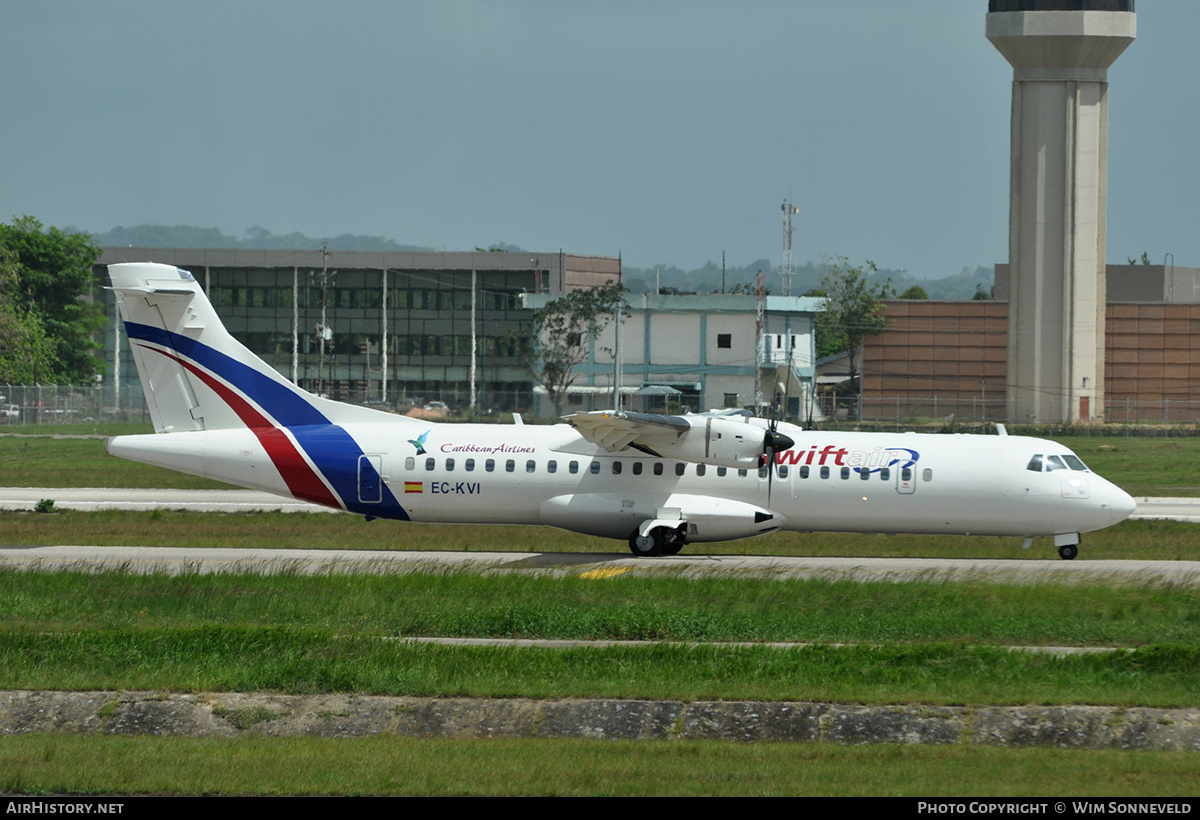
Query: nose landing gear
pixel 1068 545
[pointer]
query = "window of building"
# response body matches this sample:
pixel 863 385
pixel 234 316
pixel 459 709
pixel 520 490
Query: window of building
pixel 725 340
pixel 731 400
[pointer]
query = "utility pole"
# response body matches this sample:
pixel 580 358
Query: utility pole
pixel 324 329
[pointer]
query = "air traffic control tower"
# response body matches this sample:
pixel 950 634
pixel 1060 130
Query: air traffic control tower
pixel 1060 51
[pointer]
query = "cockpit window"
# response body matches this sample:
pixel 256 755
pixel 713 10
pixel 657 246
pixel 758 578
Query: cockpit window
pixel 1074 463
pixel 1044 463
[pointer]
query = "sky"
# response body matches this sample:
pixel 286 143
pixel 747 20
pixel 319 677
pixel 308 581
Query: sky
pixel 664 131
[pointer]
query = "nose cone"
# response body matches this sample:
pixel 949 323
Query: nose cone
pixel 1113 503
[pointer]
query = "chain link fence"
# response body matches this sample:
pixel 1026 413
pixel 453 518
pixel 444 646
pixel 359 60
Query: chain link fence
pixel 49 404
pixel 1121 415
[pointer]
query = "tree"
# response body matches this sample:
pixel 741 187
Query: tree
pixel 53 272
pixel 982 295
pixel 914 292
pixel 561 332
pixel 853 311
pixel 26 353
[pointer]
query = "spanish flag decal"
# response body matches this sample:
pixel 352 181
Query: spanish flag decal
pixel 414 487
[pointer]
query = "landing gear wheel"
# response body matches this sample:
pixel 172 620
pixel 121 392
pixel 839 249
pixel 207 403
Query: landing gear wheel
pixel 1068 552
pixel 644 546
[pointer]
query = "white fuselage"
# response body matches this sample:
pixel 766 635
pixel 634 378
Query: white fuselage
pixel 518 474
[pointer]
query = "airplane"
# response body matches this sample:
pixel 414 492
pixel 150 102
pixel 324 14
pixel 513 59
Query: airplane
pixel 659 482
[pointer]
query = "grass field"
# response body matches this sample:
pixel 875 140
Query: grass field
pixel 57 764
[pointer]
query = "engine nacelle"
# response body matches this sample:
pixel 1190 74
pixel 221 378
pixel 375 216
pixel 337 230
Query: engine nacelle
pixel 718 441
pixel 613 515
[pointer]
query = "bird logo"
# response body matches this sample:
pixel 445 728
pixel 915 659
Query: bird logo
pixel 419 442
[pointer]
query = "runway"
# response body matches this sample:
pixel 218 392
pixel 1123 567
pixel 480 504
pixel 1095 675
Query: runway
pixel 95 498
pixel 598 566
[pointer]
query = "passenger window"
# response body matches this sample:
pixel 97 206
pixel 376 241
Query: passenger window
pixel 510 466
pixel 573 467
pixel 845 473
pixel 595 468
pixel 469 465
pixel 530 466
pixel 429 464
pixel 885 474
pixel 637 468
pixel 864 474
pixel 804 471
pixel 551 466
pixel 762 472
pixel 679 468
pixel 616 468
pixel 783 471
pixel 824 472
pixel 658 468
pixel 927 475
pixel 489 465
pixel 410 463
pixel 700 469
pixel 742 473
pixel 906 474
pixel 721 471
pixel 449 465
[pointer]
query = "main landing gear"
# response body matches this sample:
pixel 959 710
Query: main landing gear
pixel 1068 552
pixel 659 541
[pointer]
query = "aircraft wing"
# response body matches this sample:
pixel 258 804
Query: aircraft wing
pixel 647 432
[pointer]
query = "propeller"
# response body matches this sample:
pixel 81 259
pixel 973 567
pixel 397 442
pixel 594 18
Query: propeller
pixel 775 441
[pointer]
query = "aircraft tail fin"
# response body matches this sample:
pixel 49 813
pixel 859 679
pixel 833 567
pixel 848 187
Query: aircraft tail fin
pixel 195 375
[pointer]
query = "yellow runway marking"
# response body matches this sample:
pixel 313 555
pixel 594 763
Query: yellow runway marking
pixel 605 572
